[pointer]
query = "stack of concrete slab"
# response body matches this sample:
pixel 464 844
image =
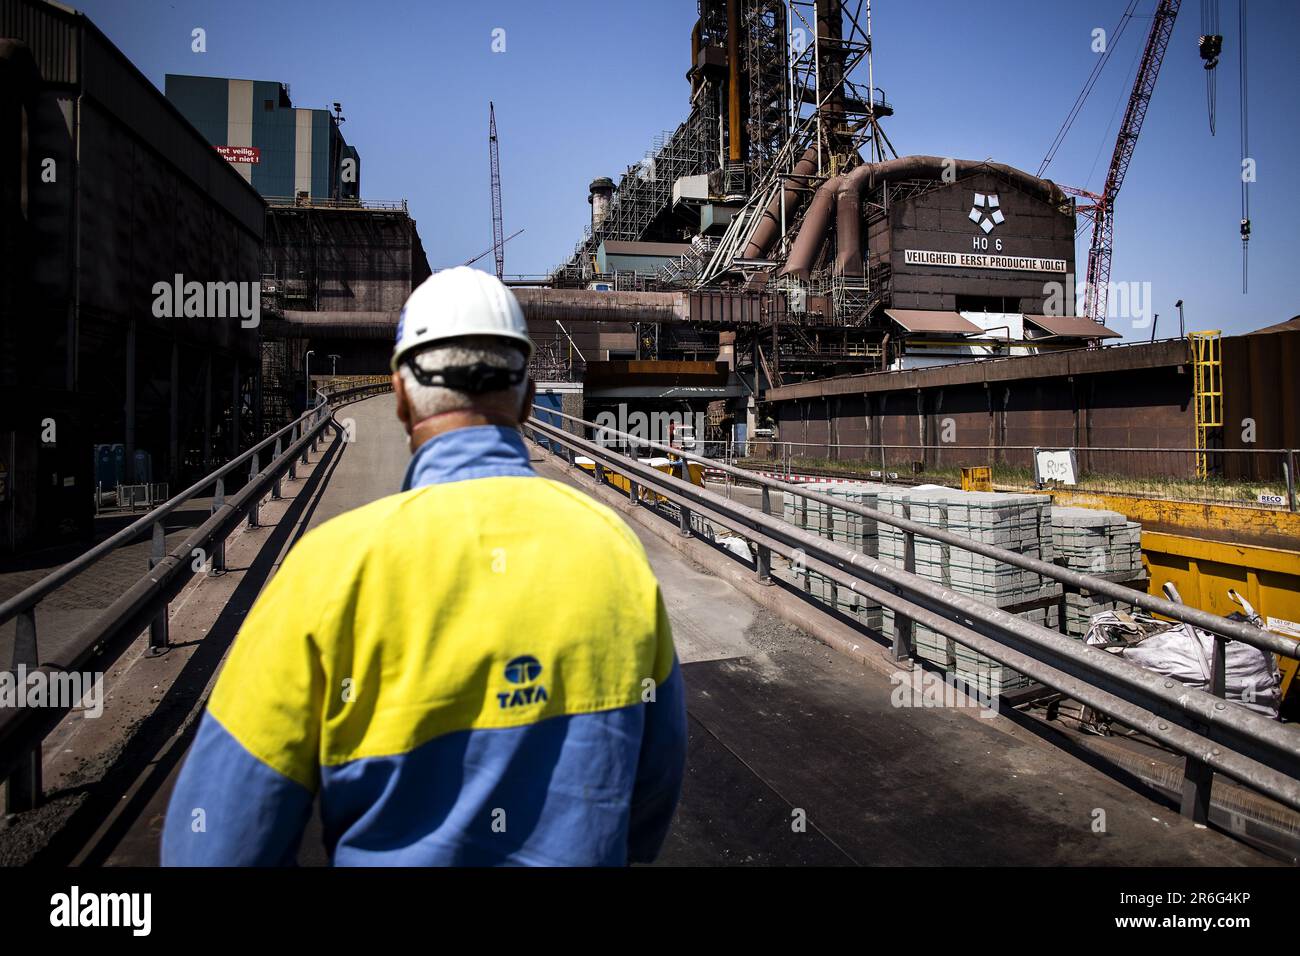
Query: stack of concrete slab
pixel 1083 539
pixel 848 602
pixel 849 530
pixel 1019 523
pixel 852 531
pixel 1013 522
pixel 929 507
pixel 1094 541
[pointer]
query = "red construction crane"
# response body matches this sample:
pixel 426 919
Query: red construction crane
pixel 1101 210
pixel 498 243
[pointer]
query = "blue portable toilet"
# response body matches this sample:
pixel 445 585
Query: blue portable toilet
pixel 110 464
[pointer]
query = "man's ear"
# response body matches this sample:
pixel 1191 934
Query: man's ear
pixel 530 396
pixel 403 406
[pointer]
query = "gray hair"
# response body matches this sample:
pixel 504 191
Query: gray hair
pixel 429 400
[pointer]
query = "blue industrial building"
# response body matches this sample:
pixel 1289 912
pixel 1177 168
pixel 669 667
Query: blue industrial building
pixel 284 152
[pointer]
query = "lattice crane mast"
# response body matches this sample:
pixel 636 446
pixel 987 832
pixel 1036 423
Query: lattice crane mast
pixel 498 242
pixel 1101 211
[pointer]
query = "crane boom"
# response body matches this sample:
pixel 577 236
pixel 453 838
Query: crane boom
pixel 1103 211
pixel 470 262
pixel 498 243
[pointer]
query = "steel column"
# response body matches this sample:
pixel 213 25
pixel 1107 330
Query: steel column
pixel 219 546
pixel 158 627
pixel 763 566
pixel 25 787
pixel 1289 465
pixel 128 408
pixel 275 488
pixel 252 508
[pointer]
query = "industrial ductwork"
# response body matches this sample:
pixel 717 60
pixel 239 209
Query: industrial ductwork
pixel 812 231
pixel 848 197
pixel 770 223
pixel 843 196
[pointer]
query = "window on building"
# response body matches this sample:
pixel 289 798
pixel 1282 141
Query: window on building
pixel 268 105
pixel 988 303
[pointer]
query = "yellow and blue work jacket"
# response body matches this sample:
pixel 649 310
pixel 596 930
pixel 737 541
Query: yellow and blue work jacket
pixel 478 670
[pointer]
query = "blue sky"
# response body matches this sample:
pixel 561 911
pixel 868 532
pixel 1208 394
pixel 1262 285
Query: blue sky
pixel 583 87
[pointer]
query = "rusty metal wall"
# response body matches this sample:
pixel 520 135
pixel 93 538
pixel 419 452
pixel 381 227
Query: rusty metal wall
pixel 1261 388
pixel 571 305
pixel 351 260
pixel 726 308
pixel 1124 408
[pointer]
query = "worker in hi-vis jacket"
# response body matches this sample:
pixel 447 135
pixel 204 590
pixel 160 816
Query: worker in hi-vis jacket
pixel 477 670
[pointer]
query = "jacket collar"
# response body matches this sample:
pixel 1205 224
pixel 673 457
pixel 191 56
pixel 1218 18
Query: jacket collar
pixel 481 451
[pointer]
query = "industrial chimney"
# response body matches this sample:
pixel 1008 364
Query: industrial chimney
pixel 602 190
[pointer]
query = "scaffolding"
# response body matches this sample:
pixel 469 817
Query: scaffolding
pixel 555 358
pixel 1207 394
pixel 824 67
pixel 852 299
pixel 766 75
pixel 683 270
pixel 828 112
pixel 645 191
pixel 278 386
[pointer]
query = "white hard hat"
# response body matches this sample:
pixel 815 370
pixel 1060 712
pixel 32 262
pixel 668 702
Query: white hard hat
pixel 459 302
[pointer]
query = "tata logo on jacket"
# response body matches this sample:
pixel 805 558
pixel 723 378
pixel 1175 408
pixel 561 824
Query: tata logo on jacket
pixel 523 672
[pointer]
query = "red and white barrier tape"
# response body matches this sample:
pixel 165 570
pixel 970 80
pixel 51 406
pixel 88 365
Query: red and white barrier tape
pixel 718 475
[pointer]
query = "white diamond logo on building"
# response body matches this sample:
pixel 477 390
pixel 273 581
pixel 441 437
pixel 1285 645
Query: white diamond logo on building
pixel 987 204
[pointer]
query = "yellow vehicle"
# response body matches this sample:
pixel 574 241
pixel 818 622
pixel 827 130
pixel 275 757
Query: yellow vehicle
pixel 668 465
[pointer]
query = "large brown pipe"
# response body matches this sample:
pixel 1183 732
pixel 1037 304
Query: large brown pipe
pixel 770 225
pixel 848 197
pixel 830 68
pixel 733 81
pixel 695 57
pixel 812 231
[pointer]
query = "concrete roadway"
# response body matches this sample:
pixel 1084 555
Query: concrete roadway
pixel 796 754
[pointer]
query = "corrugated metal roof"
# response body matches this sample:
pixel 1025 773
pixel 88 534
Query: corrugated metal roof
pixel 1072 326
pixel 50 31
pixel 1290 325
pixel 922 320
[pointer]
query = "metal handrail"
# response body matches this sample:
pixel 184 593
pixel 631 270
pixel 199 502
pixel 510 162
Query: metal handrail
pixel 1234 740
pixel 1080 448
pixel 387 205
pixel 145 603
pixel 33 593
pixel 1236 630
